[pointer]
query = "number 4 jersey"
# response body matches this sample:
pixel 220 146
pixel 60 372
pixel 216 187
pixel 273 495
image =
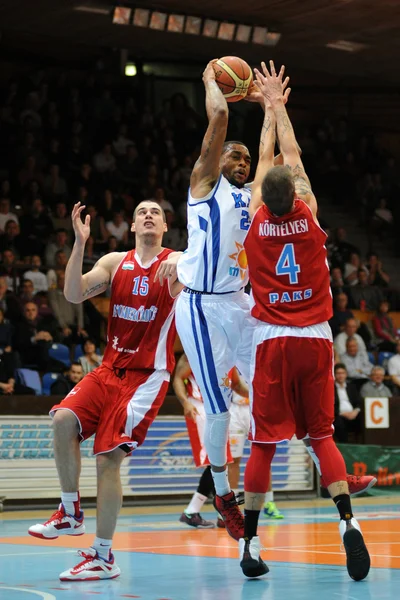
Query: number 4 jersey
pixel 288 268
pixel 141 324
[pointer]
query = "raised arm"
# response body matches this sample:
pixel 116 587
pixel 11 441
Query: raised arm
pixel 80 287
pixel 271 85
pixel 206 170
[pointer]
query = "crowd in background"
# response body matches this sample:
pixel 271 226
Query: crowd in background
pixel 61 143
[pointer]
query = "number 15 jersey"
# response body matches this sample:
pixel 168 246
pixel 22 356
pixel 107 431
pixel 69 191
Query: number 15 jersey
pixel 288 268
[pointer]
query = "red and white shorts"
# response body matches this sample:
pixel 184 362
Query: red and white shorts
pixel 196 436
pixel 118 409
pixel 292 388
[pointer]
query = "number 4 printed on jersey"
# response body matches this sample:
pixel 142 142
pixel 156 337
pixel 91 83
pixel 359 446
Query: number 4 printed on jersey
pixel 286 264
pixel 141 286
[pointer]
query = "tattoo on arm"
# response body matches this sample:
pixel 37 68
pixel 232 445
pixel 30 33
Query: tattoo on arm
pixel 283 123
pixel 265 128
pixel 94 288
pixel 210 142
pixel 301 181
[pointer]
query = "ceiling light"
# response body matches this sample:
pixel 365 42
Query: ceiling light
pixel 226 31
pixel 210 28
pixel 141 17
pixel 193 25
pixel 92 9
pixel 346 46
pixel 158 20
pixel 176 23
pixel 130 69
pixel 122 15
pixel 243 33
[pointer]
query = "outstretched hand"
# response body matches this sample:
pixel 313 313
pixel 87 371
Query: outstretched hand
pixel 272 86
pixel 81 229
pixel 209 71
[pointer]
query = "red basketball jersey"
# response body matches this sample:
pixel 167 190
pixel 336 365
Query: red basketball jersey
pixel 288 268
pixel 141 320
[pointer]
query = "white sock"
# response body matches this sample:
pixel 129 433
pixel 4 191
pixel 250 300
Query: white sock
pixel 102 547
pixel 315 458
pixel 221 482
pixel 196 504
pixel 236 492
pixel 68 500
pixel 269 497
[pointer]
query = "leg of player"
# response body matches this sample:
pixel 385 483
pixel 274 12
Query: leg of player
pixel 191 515
pixel 255 487
pixel 334 472
pixel 99 562
pixel 270 509
pixel 68 519
pixel 358 484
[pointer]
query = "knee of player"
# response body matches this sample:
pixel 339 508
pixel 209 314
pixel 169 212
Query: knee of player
pixel 109 461
pixel 65 423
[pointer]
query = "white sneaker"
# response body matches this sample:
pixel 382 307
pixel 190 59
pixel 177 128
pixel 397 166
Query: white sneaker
pixel 358 560
pixel 92 568
pixel 251 563
pixel 59 524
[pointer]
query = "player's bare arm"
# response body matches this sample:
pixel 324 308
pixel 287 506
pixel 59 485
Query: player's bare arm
pixel 271 85
pixel 167 268
pixel 206 170
pixel 239 385
pixel 80 287
pixel 182 372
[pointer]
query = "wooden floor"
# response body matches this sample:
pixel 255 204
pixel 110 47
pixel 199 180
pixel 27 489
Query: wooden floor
pixel 161 559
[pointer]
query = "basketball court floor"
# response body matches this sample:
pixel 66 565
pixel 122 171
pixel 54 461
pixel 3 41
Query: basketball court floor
pixel 162 559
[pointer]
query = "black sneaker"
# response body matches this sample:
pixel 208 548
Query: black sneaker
pixel 251 563
pixel 196 520
pixel 358 560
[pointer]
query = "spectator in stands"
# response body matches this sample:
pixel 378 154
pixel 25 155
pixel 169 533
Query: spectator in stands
pixel 104 161
pixel 9 268
pixel 382 219
pixel 33 338
pixel 64 384
pixel 347 405
pixel 61 219
pixel 131 166
pixel 90 256
pixel 118 227
pixel 356 362
pixel 174 237
pixel 393 367
pixel 6 331
pixel 54 185
pixel 344 249
pixel 12 239
pixel 349 331
pixel 61 243
pixel 8 302
pixel 337 283
pixel 27 293
pixel 6 214
pixel 90 360
pixel 377 275
pixel 351 269
pixel 159 197
pixel 112 245
pixel 376 388
pixel 36 228
pixel 69 316
pixel 35 275
pixel 60 265
pixel 97 227
pixel 386 336
pixel 340 313
pixel 365 296
pixel 8 385
pixel 122 141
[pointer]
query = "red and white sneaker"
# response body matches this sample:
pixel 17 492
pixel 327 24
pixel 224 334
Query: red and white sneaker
pixel 59 524
pixel 92 568
pixel 357 485
pixel 228 508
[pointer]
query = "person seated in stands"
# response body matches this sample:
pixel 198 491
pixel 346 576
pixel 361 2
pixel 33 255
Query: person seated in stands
pixel 393 367
pixel 11 239
pixel 337 283
pixel 27 292
pixel 385 332
pixel 347 406
pixel 340 313
pixel 61 243
pixel 118 227
pixel 33 337
pixel 344 249
pixel 90 360
pixel 375 388
pixel 351 269
pixel 356 362
pixel 377 276
pixel 8 385
pixel 9 302
pixel 9 268
pixel 69 316
pixel 65 383
pixel 38 278
pixel 349 331
pixel 61 260
pixel 364 295
pixel 6 331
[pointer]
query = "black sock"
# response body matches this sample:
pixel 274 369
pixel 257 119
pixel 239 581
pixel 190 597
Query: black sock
pixel 206 484
pixel 250 523
pixel 343 504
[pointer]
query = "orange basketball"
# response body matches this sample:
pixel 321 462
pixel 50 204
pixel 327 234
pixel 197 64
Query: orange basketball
pixel 234 77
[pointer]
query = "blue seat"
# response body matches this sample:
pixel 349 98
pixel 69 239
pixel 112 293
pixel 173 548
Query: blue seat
pixel 383 358
pixel 371 357
pixel 29 378
pixel 47 381
pixel 60 352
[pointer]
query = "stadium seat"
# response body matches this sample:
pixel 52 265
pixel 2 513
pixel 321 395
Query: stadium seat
pixel 60 352
pixel 47 381
pixel 78 352
pixel 383 358
pixel 371 357
pixel 30 378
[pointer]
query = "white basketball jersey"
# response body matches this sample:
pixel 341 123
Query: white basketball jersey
pixel 215 260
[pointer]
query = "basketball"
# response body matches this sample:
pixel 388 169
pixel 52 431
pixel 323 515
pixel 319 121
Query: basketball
pixel 234 77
